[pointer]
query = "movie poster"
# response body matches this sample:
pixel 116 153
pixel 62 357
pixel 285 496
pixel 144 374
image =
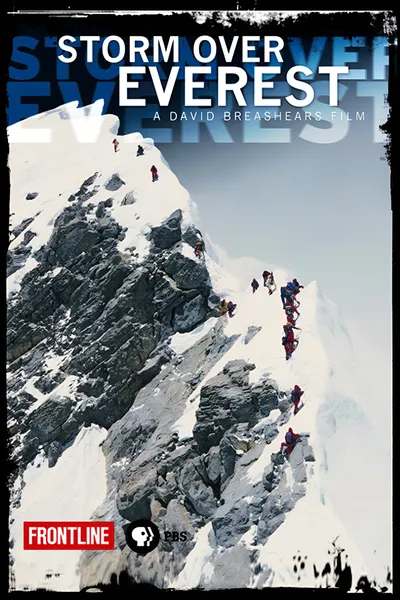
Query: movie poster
pixel 199 326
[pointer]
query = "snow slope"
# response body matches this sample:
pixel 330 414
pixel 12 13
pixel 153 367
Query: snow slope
pixel 69 491
pixel 349 491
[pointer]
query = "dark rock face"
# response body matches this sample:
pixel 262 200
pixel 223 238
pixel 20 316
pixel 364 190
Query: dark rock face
pixel 46 421
pixel 224 400
pixel 84 192
pixel 270 433
pixel 235 522
pixel 192 236
pixel 129 198
pixel 31 195
pixel 114 183
pixel 70 240
pixel 197 493
pixel 21 227
pixel 251 332
pixel 16 258
pixel 24 339
pixel 187 273
pixel 109 316
pixel 135 504
pixel 54 452
pixel 265 398
pixel 168 233
pixel 190 314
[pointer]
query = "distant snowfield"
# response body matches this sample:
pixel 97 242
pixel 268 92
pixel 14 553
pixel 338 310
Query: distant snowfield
pixel 69 491
pixel 349 492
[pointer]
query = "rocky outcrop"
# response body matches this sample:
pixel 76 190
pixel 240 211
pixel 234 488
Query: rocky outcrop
pixel 187 273
pixel 229 528
pixel 110 317
pixel 168 233
pixel 84 192
pixel 251 333
pixel 191 236
pixel 228 399
pixel 21 227
pixel 129 198
pixel 201 479
pixel 31 195
pixel 168 469
pixel 17 257
pixel 114 183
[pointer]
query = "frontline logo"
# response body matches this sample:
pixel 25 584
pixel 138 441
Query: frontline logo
pixel 68 535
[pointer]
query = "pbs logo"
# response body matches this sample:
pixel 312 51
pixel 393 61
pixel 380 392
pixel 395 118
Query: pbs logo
pixel 143 536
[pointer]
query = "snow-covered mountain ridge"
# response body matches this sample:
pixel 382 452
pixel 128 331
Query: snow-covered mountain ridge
pixel 114 337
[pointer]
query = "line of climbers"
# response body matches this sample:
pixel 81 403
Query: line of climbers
pixel 269 282
pixel 290 305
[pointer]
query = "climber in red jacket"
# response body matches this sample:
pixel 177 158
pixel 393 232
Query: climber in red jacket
pixel 289 343
pixel 154 173
pixel 289 348
pixel 291 322
pixel 290 307
pixel 290 441
pixel 295 397
pixel 115 144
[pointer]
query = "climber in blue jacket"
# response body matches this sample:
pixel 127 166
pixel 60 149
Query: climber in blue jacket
pixel 285 294
pixel 231 307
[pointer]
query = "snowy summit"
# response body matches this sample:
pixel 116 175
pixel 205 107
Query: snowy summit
pixel 133 394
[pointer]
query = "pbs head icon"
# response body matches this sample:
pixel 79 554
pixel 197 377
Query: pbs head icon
pixel 142 536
